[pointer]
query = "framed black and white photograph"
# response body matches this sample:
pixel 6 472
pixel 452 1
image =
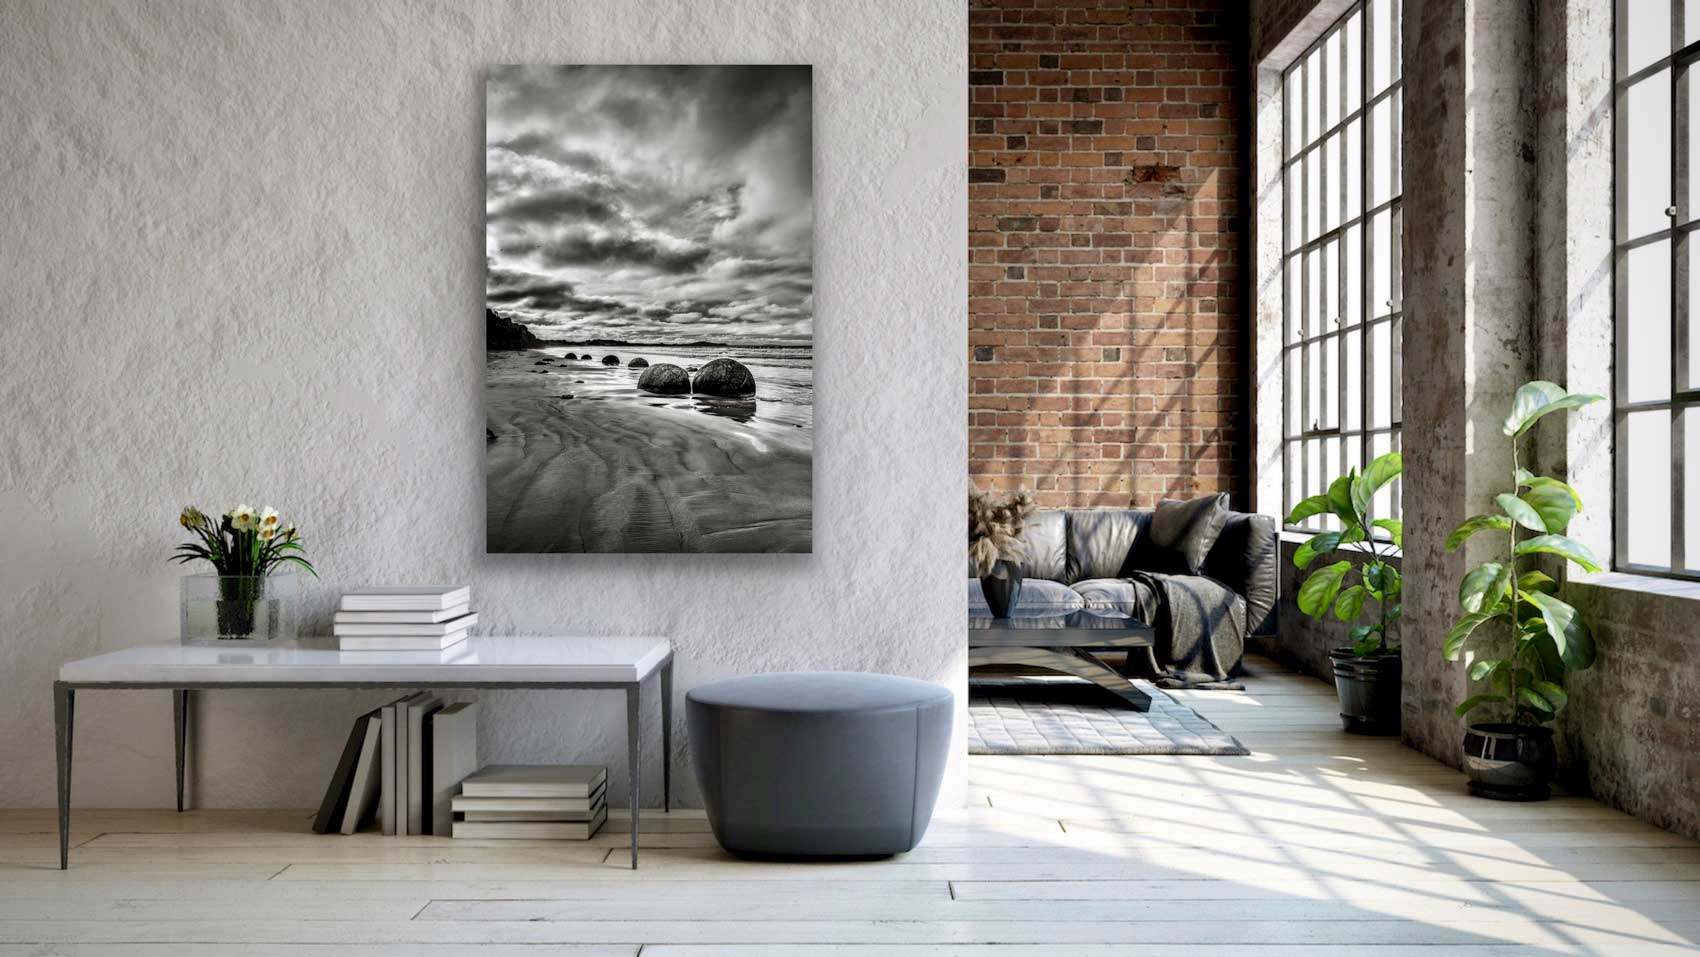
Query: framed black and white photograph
pixel 649 309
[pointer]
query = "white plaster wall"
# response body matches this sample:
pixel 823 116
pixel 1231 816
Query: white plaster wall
pixel 243 260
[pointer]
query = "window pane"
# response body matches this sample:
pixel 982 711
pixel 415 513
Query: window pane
pixel 1647 502
pixel 1313 293
pixel 1644 175
pixel 1647 33
pixel 1381 374
pixel 1334 77
pixel 1294 376
pixel 1352 416
pixel 1355 60
pixel 1313 97
pixel 1354 163
pixel 1381 264
pixel 1293 221
pixel 1382 505
pixel 1292 129
pixel 1691 322
pixel 1313 194
pixel 1380 44
pixel 1333 173
pixel 1646 327
pixel 1384 151
pixel 1691 487
pixel 1395 385
pixel 1353 308
pixel 1295 299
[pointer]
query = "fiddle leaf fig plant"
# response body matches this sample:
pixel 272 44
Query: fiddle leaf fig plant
pixel 1547 636
pixel 1331 586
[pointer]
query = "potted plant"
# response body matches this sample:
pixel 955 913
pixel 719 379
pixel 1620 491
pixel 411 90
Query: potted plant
pixel 247 601
pixel 994 545
pixel 1366 673
pixel 1514 758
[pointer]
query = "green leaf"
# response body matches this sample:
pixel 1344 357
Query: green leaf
pixel 1553 693
pixel 1555 506
pixel 1482 667
pixel 1318 591
pixel 1383 579
pixel 1340 499
pixel 1559 545
pixel 1537 580
pixel 1568 631
pixel 1395 529
pixel 1361 631
pixel 1542 708
pixel 1520 511
pixel 1319 544
pixel 1309 508
pixel 1384 469
pixel 1366 646
pixel 1526 478
pixel 1474 524
pixel 1461 632
pixel 1482 587
pixel 1535 400
pixel 1350 604
pixel 1476 700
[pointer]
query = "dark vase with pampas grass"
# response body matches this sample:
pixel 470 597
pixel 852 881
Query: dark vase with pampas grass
pixel 995 548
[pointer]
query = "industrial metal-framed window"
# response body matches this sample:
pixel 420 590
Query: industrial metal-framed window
pixel 1342 101
pixel 1657 372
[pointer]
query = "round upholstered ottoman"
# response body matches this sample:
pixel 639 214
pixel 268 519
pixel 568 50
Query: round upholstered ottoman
pixel 819 764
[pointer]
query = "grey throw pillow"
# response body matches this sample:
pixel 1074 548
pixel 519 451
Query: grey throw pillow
pixel 1181 535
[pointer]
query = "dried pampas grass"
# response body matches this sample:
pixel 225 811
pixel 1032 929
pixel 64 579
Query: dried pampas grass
pixel 994 528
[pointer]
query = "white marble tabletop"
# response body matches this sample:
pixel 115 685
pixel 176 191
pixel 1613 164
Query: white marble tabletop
pixel 503 660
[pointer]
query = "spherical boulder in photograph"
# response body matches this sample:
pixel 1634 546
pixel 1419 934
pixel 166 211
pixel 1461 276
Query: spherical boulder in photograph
pixel 665 379
pixel 724 377
pixel 610 360
pixel 638 363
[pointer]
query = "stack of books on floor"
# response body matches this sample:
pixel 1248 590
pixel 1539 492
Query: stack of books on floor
pixel 403 618
pixel 561 802
pixel 403 764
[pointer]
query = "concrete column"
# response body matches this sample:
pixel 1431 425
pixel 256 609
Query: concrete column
pixel 1470 298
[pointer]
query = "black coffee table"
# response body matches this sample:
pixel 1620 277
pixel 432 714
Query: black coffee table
pixel 1065 643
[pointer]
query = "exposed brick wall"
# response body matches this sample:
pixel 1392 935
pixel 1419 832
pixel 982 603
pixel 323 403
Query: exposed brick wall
pixel 1104 249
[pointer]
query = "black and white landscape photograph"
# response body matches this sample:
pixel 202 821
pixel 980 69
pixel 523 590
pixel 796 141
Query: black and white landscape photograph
pixel 649 309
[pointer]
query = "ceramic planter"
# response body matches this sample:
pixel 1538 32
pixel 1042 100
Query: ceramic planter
pixel 1002 587
pixel 1510 762
pixel 1368 690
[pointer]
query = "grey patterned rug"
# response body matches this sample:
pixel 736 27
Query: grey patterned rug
pixel 1072 716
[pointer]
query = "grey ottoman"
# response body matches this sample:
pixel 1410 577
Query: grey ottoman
pixel 819 764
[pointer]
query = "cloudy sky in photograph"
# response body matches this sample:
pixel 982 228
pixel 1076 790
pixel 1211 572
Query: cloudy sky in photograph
pixel 651 204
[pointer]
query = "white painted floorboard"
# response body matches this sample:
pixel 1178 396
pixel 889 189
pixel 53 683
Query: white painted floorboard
pixel 1317 843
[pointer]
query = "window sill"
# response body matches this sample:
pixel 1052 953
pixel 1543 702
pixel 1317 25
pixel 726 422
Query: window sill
pixel 1290 537
pixel 1651 585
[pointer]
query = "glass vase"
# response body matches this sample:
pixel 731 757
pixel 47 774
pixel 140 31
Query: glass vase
pixel 222 609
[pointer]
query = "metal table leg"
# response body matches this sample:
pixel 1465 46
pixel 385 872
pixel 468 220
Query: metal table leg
pixel 634 758
pixel 667 737
pixel 180 724
pixel 64 711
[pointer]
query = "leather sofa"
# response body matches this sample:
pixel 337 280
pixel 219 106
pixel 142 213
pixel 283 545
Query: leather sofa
pixel 1089 558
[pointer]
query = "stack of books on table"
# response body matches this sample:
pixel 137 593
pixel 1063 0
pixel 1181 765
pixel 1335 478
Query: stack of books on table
pixel 562 802
pixel 403 763
pixel 403 618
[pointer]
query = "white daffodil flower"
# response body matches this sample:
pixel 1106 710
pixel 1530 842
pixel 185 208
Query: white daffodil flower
pixel 268 517
pixel 242 517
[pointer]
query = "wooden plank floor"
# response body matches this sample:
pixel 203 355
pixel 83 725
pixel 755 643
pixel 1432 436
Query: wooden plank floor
pixel 1316 843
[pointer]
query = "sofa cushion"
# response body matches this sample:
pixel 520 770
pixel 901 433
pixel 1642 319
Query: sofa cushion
pixel 1131 597
pixel 1181 534
pixel 1100 541
pixel 1045 540
pixel 1040 597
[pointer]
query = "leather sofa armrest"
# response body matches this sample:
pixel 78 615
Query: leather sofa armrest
pixel 1245 558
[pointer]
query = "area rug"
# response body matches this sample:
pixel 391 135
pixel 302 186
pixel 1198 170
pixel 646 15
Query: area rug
pixel 1073 716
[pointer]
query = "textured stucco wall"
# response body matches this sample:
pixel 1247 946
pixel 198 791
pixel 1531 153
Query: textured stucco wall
pixel 243 260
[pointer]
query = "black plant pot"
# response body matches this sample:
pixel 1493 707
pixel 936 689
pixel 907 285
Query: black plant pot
pixel 1002 587
pixel 1368 690
pixel 1510 762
